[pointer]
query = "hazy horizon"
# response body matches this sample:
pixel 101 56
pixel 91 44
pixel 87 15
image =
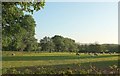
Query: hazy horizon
pixel 85 22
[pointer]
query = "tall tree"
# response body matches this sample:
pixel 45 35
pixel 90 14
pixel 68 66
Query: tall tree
pixel 18 30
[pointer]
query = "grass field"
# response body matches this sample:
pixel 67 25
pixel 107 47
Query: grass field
pixel 42 63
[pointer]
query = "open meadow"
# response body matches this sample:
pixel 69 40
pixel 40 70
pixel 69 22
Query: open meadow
pixel 59 37
pixel 58 63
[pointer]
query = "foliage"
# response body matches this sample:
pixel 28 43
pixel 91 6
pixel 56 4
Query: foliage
pixel 18 29
pixel 64 44
pixel 98 48
pixel 57 44
pixel 47 44
pixel 61 44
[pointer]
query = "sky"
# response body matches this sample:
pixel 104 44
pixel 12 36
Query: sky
pixel 85 22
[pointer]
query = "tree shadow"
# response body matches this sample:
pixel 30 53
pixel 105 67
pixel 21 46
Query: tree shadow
pixel 35 58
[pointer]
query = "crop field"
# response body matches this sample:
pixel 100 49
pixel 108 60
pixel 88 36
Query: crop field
pixel 58 63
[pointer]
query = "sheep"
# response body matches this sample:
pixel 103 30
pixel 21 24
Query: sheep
pixel 110 53
pixel 77 53
pixel 89 53
pixel 95 54
pixel 92 55
pixel 13 54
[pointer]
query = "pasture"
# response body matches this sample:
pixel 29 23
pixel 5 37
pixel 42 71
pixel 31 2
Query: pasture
pixel 58 63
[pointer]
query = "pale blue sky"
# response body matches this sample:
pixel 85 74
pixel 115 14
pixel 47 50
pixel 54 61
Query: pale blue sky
pixel 85 22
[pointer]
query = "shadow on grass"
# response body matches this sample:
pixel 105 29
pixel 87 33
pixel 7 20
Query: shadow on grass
pixel 102 65
pixel 34 58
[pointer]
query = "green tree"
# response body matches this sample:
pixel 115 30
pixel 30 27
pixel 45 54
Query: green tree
pixel 47 44
pixel 18 29
pixel 59 44
pixel 103 48
pixel 64 44
pixel 94 48
pixel 70 45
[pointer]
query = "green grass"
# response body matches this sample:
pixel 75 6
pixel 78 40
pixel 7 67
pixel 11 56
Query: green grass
pixel 7 53
pixel 37 58
pixel 56 60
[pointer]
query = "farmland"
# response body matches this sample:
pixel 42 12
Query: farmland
pixel 57 63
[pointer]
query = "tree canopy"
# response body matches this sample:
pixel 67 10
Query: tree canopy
pixel 18 29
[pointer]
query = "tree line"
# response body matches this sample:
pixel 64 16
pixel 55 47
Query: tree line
pixel 59 43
